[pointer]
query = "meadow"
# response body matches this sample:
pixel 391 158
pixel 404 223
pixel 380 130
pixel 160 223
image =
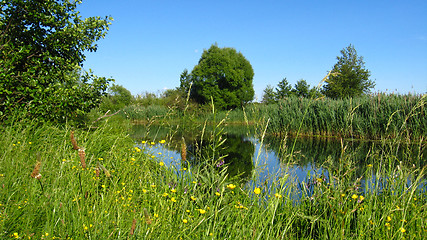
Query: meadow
pixel 57 182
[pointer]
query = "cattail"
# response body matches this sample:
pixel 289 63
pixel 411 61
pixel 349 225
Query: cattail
pixel 147 217
pixel 133 226
pixel 73 141
pixel 36 171
pixel 82 157
pixel 183 150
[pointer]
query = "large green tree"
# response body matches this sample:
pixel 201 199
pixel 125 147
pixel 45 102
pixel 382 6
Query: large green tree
pixel 42 48
pixel 223 74
pixel 349 77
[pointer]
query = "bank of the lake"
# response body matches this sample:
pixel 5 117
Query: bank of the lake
pixel 101 186
pixel 379 116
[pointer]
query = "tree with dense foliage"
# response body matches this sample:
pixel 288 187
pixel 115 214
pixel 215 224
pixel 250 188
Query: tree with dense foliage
pixel 349 77
pixel 42 48
pixel 118 97
pixel 223 74
pixel 283 90
pixel 301 89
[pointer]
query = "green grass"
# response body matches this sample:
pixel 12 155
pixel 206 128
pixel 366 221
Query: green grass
pixel 137 197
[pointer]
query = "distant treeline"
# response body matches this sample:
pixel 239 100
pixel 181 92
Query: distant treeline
pixel 367 117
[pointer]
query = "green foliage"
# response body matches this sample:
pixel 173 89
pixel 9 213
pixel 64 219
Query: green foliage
pixel 42 45
pixel 269 95
pixel 348 78
pixel 118 97
pixel 283 90
pixel 223 74
pixel 301 89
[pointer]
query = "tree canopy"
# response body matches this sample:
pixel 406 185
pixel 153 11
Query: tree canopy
pixel 223 74
pixel 42 49
pixel 349 77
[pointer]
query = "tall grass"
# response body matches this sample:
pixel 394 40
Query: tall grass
pixel 126 193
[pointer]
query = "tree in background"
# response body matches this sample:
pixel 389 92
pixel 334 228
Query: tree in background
pixel 283 90
pixel 118 97
pixel 42 46
pixel 223 74
pixel 269 95
pixel 348 78
pixel 301 89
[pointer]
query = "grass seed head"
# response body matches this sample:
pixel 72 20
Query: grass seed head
pixel 36 171
pixel 82 155
pixel 73 141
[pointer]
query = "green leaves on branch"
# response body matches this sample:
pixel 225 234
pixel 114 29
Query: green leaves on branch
pixel 42 47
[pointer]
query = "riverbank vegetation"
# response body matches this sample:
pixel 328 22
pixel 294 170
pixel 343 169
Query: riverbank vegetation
pixel 96 184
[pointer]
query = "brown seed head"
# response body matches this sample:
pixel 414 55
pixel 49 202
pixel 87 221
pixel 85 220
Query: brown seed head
pixel 133 226
pixel 82 157
pixel 36 171
pixel 183 150
pixel 73 141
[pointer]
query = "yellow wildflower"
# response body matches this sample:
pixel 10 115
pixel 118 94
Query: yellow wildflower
pixel 217 193
pixel 278 195
pixel 161 163
pixel 257 191
pixel 354 196
pixel 231 186
pixel 202 211
pixel 184 220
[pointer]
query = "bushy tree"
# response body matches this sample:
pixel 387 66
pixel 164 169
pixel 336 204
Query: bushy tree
pixel 349 77
pixel 223 74
pixel 42 48
pixel 118 97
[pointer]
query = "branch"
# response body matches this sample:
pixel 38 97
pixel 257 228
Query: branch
pixel 105 115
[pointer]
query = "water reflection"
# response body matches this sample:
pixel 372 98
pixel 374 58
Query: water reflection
pixel 303 159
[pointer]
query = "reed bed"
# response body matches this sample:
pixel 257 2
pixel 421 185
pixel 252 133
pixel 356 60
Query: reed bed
pixel 136 196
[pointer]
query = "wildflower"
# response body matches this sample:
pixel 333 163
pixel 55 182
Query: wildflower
pixel 162 164
pixel 193 198
pixel 184 220
pixel 153 186
pixel 219 164
pixel 257 191
pixel 369 165
pixel 173 199
pixel 387 225
pixel 319 180
pixel 278 195
pixel 184 169
pixel 165 194
pixel 143 142
pixel 152 143
pixel 173 190
pixel 402 230
pixel 159 153
pixel 388 219
pixel 144 191
pixel 361 198
pixel 202 211
pixel 162 141
pixel 217 193
pixel 354 196
pixel 231 186
pixel 15 235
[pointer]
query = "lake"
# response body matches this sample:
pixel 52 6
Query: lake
pixel 247 153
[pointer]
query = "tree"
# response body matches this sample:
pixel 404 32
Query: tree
pixel 348 78
pixel 42 49
pixel 301 89
pixel 283 90
pixel 225 75
pixel 269 95
pixel 118 97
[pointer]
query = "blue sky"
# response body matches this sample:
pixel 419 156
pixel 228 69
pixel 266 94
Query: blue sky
pixel 150 43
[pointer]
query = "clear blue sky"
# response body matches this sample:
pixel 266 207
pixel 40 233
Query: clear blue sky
pixel 150 43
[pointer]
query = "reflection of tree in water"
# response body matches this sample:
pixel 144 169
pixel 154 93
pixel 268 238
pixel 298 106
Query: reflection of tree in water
pixel 236 152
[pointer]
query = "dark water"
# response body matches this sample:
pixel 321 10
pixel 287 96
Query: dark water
pixel 269 158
